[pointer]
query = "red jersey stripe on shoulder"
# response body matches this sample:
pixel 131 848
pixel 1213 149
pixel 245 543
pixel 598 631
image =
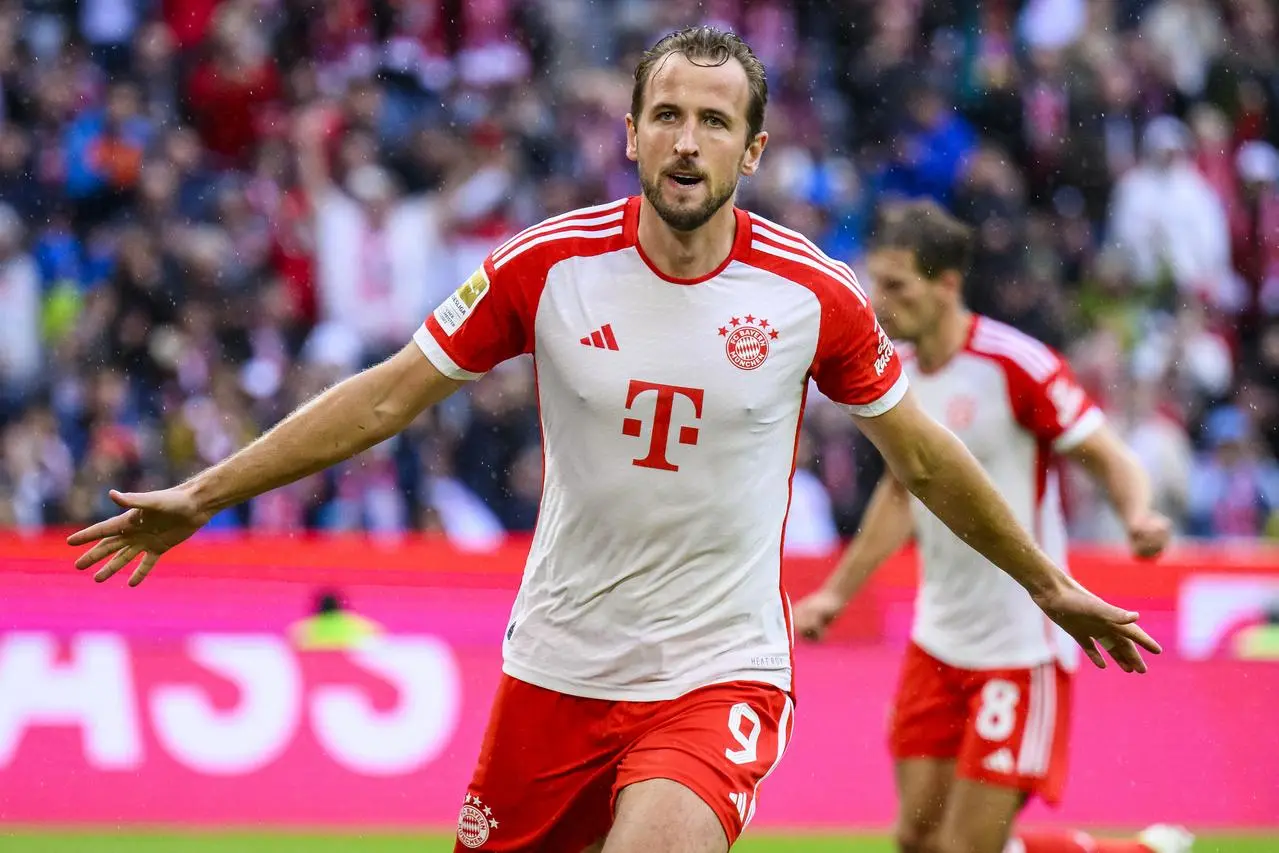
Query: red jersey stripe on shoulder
pixel 584 222
pixel 782 230
pixel 786 237
pixel 1034 368
pixel 762 235
pixel 1033 349
pixel 801 269
pixel 994 329
pixel 581 213
pixel 575 235
pixel 571 226
pixel 1033 360
pixel 807 260
pixel 615 204
pixel 595 210
pixel 997 339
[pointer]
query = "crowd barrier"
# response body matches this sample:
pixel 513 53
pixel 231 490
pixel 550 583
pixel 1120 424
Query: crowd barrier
pixel 185 701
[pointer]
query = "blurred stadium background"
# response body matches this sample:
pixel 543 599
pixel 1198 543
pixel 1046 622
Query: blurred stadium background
pixel 210 209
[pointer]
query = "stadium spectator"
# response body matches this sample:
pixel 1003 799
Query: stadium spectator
pixel 1168 223
pixel 20 346
pixel 1236 490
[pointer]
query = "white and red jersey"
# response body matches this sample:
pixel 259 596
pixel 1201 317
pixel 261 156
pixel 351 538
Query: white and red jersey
pixel 670 418
pixel 1015 403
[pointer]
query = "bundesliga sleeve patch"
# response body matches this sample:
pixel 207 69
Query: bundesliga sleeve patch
pixel 454 310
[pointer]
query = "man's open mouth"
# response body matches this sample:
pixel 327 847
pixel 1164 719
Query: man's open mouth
pixel 685 179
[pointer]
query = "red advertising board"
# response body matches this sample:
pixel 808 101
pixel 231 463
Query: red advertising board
pixel 184 701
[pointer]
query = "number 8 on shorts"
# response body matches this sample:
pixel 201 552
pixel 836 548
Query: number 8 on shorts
pixel 998 713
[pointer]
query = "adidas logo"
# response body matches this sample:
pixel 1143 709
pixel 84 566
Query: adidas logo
pixel 740 801
pixel 1000 761
pixel 602 338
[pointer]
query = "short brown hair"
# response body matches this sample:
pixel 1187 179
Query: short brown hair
pixel 709 47
pixel 939 241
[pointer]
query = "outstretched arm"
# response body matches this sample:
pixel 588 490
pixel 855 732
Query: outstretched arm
pixel 348 418
pixel 885 528
pixel 936 467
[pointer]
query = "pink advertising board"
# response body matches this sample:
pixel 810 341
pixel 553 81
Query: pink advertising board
pixel 183 702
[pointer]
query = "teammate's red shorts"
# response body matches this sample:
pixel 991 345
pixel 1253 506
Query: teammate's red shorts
pixel 1006 727
pixel 551 765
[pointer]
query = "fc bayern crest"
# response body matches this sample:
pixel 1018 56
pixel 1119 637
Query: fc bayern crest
pixel 747 341
pixel 474 823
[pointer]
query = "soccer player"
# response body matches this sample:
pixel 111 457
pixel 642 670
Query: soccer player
pixel 980 718
pixel 646 688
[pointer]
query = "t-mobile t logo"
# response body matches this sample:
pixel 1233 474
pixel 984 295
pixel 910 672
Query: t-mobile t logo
pixel 662 411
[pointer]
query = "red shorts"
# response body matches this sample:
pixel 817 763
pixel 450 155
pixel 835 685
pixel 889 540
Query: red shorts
pixel 551 765
pixel 1006 727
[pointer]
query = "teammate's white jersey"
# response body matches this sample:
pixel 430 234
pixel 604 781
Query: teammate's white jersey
pixel 1015 403
pixel 670 415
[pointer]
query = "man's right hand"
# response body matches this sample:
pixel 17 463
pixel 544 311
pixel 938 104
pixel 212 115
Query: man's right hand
pixel 815 612
pixel 151 524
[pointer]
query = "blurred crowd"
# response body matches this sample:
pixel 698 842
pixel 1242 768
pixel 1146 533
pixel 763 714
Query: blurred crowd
pixel 212 209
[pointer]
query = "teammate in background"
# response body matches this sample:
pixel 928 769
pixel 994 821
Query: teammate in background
pixel 980 718
pixel 647 663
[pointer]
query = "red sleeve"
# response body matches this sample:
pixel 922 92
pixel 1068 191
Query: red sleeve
pixel 490 317
pixel 1051 404
pixel 855 364
pixel 483 323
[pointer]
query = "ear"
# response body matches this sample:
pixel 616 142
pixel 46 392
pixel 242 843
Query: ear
pixel 954 284
pixel 754 151
pixel 632 140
